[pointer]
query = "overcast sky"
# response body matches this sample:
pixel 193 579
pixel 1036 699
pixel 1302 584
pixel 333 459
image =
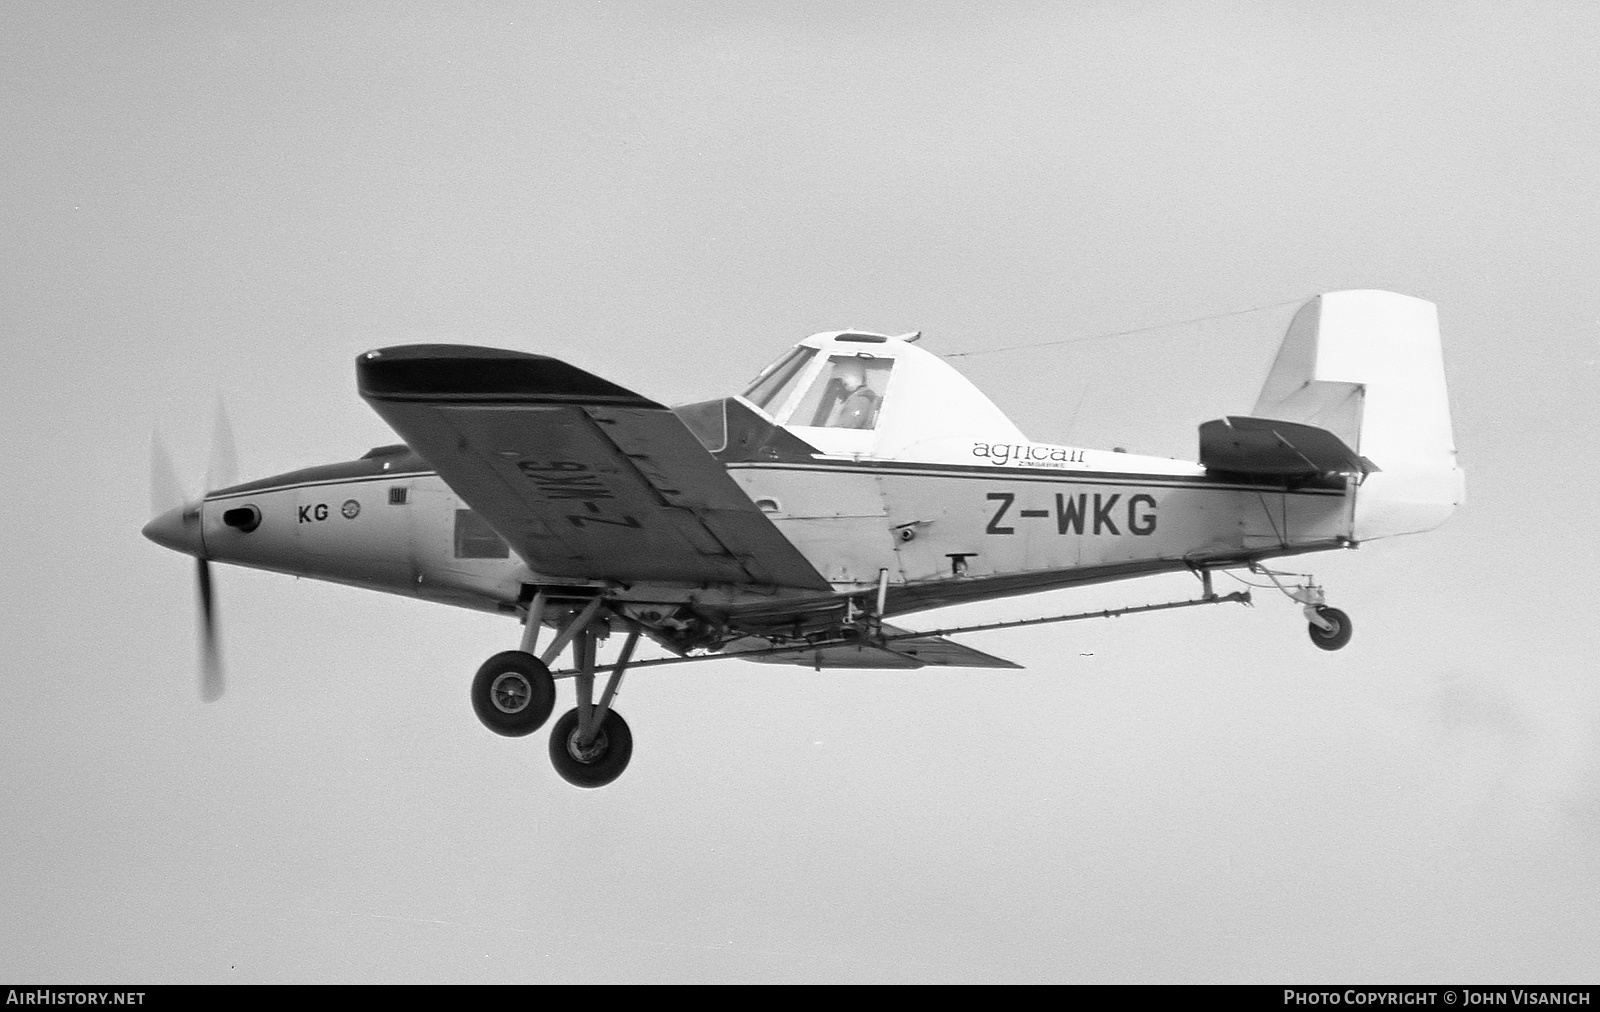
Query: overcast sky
pixel 236 199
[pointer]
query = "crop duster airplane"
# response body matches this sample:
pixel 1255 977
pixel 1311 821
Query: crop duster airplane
pixel 857 479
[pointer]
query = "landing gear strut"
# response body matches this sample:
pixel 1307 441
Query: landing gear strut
pixel 514 693
pixel 591 743
pixel 1329 628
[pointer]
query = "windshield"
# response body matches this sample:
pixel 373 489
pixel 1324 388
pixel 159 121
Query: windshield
pixel 773 387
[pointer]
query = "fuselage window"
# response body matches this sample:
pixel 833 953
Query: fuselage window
pixel 476 539
pixel 773 387
pixel 847 395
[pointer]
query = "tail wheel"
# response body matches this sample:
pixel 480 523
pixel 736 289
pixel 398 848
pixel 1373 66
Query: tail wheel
pixel 1337 636
pixel 598 763
pixel 513 693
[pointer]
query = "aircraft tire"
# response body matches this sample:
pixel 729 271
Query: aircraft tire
pixel 604 762
pixel 513 693
pixel 1331 639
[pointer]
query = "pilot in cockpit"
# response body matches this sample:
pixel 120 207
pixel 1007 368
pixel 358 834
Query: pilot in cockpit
pixel 858 407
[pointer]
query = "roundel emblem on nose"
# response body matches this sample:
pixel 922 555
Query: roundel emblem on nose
pixel 350 509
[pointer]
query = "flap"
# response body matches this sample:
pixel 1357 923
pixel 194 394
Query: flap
pixel 585 479
pixel 903 649
pixel 1269 447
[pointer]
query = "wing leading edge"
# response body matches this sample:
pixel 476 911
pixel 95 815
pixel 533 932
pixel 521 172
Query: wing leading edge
pixel 583 478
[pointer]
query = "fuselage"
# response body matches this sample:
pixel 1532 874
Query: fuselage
pixel 943 530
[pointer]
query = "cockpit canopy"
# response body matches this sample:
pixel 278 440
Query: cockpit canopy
pixel 857 393
pixel 846 394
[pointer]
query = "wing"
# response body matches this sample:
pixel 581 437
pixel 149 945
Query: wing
pixel 583 478
pixel 1268 447
pixel 901 649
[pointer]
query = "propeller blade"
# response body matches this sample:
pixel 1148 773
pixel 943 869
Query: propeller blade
pixel 166 494
pixel 166 491
pixel 223 469
pixel 211 685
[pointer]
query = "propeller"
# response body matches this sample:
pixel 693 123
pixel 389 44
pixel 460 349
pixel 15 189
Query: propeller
pixel 176 525
pixel 166 491
pixel 211 684
pixel 223 468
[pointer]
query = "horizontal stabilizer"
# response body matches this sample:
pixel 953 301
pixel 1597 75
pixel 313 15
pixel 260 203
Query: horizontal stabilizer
pixel 1269 447
pixel 911 652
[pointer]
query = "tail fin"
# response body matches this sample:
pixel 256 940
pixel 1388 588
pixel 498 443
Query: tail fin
pixel 1367 366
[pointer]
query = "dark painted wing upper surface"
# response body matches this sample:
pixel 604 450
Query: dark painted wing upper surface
pixel 584 478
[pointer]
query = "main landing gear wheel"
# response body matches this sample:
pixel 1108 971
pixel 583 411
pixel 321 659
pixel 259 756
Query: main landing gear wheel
pixel 1337 636
pixel 598 764
pixel 513 693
